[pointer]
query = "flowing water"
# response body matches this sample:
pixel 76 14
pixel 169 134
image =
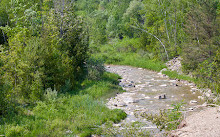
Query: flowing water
pixel 148 92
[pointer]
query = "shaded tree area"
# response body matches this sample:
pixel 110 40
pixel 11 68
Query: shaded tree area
pixel 44 46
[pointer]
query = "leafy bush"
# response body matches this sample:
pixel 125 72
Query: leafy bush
pixel 50 94
pixel 95 68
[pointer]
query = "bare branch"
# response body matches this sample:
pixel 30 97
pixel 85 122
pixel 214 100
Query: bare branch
pixel 154 37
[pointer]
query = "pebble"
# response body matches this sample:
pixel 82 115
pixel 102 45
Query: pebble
pixel 163 96
pixel 193 101
pixel 207 94
pixel 200 97
pixel 69 132
pixel 191 109
pixel 164 85
pixel 122 104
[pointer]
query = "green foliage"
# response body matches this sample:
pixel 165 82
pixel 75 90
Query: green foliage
pixel 127 52
pixel 175 75
pixel 65 114
pixel 129 130
pixel 166 119
pixel 95 69
pixel 104 88
pixel 200 56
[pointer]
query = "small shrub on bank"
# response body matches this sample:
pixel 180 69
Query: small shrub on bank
pixel 166 119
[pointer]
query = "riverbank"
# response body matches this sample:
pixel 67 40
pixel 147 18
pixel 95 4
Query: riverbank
pixel 80 112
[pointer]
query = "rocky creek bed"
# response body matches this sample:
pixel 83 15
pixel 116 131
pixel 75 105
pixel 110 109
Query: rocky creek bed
pixel 148 92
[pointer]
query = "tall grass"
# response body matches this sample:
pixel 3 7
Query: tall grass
pixel 175 75
pixel 126 52
pixel 66 114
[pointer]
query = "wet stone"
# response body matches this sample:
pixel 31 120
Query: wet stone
pixel 164 85
pixel 163 96
pixel 193 102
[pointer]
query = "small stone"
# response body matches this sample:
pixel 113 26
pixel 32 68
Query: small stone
pixel 164 85
pixel 164 69
pixel 164 75
pixel 207 94
pixel 170 108
pixel 135 101
pixel 161 97
pixel 121 104
pixel 108 66
pixel 200 97
pixel 193 89
pixel 191 109
pixel 147 97
pixel 140 68
pixel 172 81
pixel 182 95
pixel 69 132
pixel 193 101
pixel 117 125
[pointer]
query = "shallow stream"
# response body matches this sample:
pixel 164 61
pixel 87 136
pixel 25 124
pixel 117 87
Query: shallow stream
pixel 148 92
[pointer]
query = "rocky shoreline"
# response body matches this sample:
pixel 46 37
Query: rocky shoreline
pixel 148 92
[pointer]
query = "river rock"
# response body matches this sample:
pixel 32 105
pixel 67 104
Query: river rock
pixel 147 97
pixel 191 109
pixel 69 132
pixel 163 96
pixel 200 97
pixel 121 104
pixel 193 89
pixel 164 85
pixel 193 101
pixel 164 69
pixel 207 94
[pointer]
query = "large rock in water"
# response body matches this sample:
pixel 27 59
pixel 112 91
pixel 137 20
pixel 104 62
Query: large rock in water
pixel 163 96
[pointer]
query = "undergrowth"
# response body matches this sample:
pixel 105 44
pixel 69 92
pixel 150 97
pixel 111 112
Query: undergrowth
pixel 166 119
pixel 66 114
pixel 126 52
